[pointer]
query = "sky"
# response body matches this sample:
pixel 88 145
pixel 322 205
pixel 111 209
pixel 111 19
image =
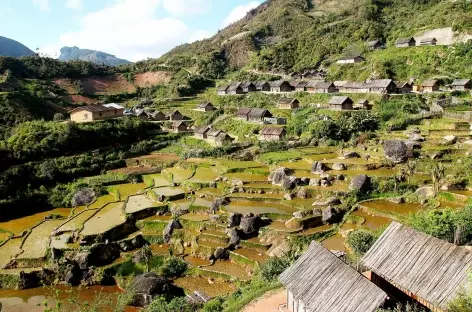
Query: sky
pixel 130 29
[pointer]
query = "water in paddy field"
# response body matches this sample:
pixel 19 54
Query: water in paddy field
pixel 32 300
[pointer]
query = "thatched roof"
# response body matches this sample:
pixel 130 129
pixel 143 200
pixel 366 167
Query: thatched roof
pixel 278 83
pixel 260 84
pixel 234 86
pixel 405 40
pixel 223 87
pixel 428 40
pixel 373 43
pixel 93 109
pixel 402 84
pixel 247 84
pixel 301 84
pixel 204 104
pixel 325 283
pixel 363 102
pixel 460 82
pixel 340 83
pixel 429 83
pixel 178 124
pixel 428 267
pixel 288 101
pixel 259 113
pixel 202 130
pixel 320 84
pixel 355 85
pixel 379 83
pixel 243 112
pixel 272 131
pixel 157 113
pixel 339 100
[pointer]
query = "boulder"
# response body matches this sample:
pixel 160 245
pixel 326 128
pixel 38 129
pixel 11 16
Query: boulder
pixel 82 260
pixel 329 215
pixel 397 200
pixel 214 218
pixel 234 219
pixel 339 167
pixel 438 154
pixel 221 254
pixel 288 196
pixel 126 246
pixel 146 287
pixel 302 193
pixel 73 274
pixel 83 197
pixel 325 183
pixel 233 235
pixel 449 139
pixel 29 280
pixel 425 192
pixel 396 151
pixel 289 182
pixel 416 137
pixel 169 229
pixel 411 145
pixel 450 187
pixel 56 254
pixel 360 183
pixel 299 214
pixel 304 181
pixel 178 211
pixel 237 182
pixel 103 254
pixel 250 224
pixel 279 249
pixel 139 241
pixel 340 177
pixel 332 201
pixel 314 182
pixel 216 205
pixel 318 168
pixel 278 175
pixel 350 155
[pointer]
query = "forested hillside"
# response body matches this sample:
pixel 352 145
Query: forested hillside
pixel 294 35
pixel 97 57
pixel 10 47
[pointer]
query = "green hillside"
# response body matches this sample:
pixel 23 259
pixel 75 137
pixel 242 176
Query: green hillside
pixel 97 57
pixel 10 47
pixel 294 35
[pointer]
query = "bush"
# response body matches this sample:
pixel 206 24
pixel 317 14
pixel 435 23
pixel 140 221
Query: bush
pixel 179 304
pixel 271 270
pixel 361 241
pixel 214 305
pixel 174 267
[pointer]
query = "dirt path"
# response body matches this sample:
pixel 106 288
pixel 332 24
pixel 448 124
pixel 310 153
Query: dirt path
pixel 268 303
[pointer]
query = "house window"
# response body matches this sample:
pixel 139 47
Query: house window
pixel 100 114
pixel 116 112
pixel 85 116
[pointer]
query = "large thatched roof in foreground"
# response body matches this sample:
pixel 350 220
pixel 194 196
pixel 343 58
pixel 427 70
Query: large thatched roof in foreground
pixel 325 283
pixel 429 268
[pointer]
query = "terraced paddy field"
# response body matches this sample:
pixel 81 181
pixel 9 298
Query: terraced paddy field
pixel 335 242
pixel 61 241
pixel 158 180
pixel 170 192
pixel 76 222
pixel 196 217
pixel 211 288
pixel 385 205
pixel 36 243
pixel 139 203
pixel 204 175
pixel 102 201
pixel 372 222
pixel 19 225
pixel 126 190
pixel 202 202
pixel 229 268
pixel 105 219
pixel 259 208
pixel 9 249
pixel 246 177
pixel 180 175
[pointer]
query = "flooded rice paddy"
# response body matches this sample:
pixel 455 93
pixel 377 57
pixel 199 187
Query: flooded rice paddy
pixel 36 243
pixel 259 207
pixel 138 203
pixel 385 205
pixel 105 219
pixel 19 225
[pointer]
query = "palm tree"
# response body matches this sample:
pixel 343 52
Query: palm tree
pixel 410 169
pixel 438 172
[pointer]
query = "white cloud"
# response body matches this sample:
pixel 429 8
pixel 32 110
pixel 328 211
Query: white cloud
pixel 239 12
pixel 200 35
pixel 43 5
pixel 74 4
pixel 128 29
pixel 181 7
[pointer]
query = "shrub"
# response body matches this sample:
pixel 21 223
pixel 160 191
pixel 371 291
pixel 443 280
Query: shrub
pixel 271 270
pixel 174 267
pixel 361 241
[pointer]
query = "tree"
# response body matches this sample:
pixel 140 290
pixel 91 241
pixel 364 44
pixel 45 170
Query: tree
pixel 58 117
pixel 410 169
pixel 361 241
pixel 438 172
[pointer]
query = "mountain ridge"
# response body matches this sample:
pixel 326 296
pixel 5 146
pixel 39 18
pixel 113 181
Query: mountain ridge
pixel 94 56
pixel 13 48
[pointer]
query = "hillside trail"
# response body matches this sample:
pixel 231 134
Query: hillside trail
pixel 268 303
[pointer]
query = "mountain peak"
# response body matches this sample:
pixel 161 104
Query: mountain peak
pixel 12 48
pixel 97 57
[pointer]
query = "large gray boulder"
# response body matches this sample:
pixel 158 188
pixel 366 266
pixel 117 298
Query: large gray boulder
pixel 396 151
pixel 425 192
pixel 330 215
pixel 331 201
pixel 234 219
pixel 146 287
pixel 361 183
pixel 83 197
pixel 103 254
pixel 350 155
pixel 233 235
pixel 318 168
pixel 169 229
pixel 250 224
pixel 221 253
pixel 449 140
pixel 278 175
pixel 339 167
pixel 289 182
pixel 29 280
pixel 73 274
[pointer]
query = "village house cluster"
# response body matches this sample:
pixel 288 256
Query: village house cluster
pixel 379 86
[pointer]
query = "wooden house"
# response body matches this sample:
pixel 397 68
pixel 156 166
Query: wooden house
pixel 235 88
pixel 243 113
pixel 272 134
pixel 428 41
pixel 280 86
pixel 405 262
pixel 142 114
pixel 382 86
pixel 222 90
pixel 258 115
pixel 94 113
pixel 175 116
pixel 205 107
pixel 429 86
pixel 354 87
pixel 301 86
pixel 351 60
pixel 404 87
pixel 340 103
pixel 179 126
pixel 364 104
pixel 375 45
pixel 296 75
pixel 405 42
pixel 321 282
pixel 157 116
pixel 321 87
pixel 461 85
pixel 201 132
pixel 263 86
pixel 288 103
pixel 248 86
pixel 219 137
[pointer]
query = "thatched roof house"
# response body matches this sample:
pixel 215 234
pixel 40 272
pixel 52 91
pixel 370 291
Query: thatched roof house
pixel 243 113
pixel 319 281
pixel 288 103
pixel 301 86
pixel 205 107
pixel 262 86
pixel 248 86
pixel 235 88
pixel 351 60
pixel 405 42
pixel 425 268
pixel 201 132
pixel 272 134
pixel 222 90
pixel 179 126
pixel 321 87
pixel 381 86
pixel 404 87
pixel 219 137
pixel 374 44
pixel 158 116
pixel 340 103
pixel 461 85
pixel 258 114
pixel 428 41
pixel 280 86
pixel 431 85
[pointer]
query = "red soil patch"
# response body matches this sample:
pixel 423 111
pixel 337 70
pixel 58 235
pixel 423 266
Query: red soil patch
pixel 66 84
pixel 133 170
pixel 151 78
pixel 162 157
pixel 107 85
pixel 79 99
pixel 269 302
